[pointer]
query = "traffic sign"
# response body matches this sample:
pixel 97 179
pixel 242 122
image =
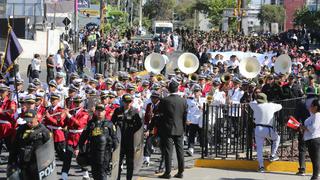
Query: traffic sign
pixel 66 21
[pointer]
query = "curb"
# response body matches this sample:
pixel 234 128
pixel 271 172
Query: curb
pixel 277 166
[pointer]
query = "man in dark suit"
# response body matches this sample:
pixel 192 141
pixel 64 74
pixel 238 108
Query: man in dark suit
pixel 173 115
pixel 70 65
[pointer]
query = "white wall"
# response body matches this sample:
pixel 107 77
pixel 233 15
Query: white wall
pixel 45 43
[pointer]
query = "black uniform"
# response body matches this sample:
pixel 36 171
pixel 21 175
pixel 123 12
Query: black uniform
pixel 102 141
pixel 173 114
pixel 22 154
pixel 129 123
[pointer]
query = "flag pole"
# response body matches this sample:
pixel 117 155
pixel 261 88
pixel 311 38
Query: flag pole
pixel 13 66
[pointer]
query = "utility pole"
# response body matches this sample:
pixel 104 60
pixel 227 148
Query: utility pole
pixel 244 19
pixel 140 14
pixel 131 14
pixel 75 28
pixel 101 14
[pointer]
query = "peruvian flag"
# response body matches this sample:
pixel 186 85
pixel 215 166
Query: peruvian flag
pixel 293 123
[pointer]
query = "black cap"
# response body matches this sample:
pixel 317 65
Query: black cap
pixel 100 107
pixel 53 83
pixel 29 115
pixel 77 98
pixel 173 85
pixel 36 81
pixel 127 98
pixel 32 87
pixel 54 96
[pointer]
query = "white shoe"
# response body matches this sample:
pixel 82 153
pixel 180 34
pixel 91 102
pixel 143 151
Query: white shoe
pixel 64 176
pixel 86 175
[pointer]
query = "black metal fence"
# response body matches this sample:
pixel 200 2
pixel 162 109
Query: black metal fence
pixel 228 131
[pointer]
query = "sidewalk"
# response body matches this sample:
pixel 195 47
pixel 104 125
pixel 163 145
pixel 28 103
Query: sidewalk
pixel 219 174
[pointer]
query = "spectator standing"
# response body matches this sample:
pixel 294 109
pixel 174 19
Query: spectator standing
pixel 35 66
pixel 50 68
pixel 58 60
pixel 311 129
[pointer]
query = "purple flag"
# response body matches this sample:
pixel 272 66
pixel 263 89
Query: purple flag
pixel 13 49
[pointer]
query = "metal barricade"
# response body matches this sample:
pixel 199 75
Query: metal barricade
pixel 228 131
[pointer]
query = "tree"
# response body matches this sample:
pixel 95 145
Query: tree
pixel 305 17
pixel 272 14
pixel 216 7
pixel 159 9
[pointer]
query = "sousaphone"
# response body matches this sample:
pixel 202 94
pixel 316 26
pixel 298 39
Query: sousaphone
pixel 283 64
pixel 188 63
pixel 249 67
pixel 154 63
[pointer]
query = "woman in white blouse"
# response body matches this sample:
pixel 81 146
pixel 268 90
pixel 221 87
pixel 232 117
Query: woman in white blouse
pixel 311 129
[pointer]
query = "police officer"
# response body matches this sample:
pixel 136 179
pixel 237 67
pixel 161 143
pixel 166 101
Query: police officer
pixel 102 140
pixel 129 121
pixel 28 138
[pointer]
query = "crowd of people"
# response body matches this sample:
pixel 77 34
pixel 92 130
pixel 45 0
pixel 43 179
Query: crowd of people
pixel 84 108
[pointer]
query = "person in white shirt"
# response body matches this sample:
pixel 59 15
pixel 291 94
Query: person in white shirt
pixel 311 135
pixel 35 66
pixel 233 100
pixel 194 117
pixel 263 113
pixel 58 60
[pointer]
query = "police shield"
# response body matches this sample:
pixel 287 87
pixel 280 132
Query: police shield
pixel 138 150
pixel 115 158
pixel 46 161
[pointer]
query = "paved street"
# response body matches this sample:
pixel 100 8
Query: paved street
pixel 218 174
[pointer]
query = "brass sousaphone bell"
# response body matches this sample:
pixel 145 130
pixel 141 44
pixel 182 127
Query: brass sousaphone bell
pixel 226 77
pixel 154 63
pixel 283 64
pixel 188 63
pixel 249 67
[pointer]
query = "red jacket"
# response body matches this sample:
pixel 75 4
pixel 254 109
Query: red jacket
pixel 40 112
pixel 181 88
pixel 110 109
pixel 55 124
pixel 101 86
pixel 8 123
pixel 75 125
pixel 207 88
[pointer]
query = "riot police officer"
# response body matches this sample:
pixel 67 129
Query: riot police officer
pixel 28 138
pixel 129 121
pixel 102 140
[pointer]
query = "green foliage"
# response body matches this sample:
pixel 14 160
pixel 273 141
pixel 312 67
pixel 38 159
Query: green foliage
pixel 308 18
pixel 216 8
pixel 159 9
pixel 116 19
pixel 272 14
pixel 146 23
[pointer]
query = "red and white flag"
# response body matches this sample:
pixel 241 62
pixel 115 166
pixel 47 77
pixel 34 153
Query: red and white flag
pixel 293 123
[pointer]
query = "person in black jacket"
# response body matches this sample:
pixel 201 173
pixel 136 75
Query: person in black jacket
pixel 81 62
pixel 301 114
pixel 103 139
pixel 173 112
pixel 29 137
pixel 128 120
